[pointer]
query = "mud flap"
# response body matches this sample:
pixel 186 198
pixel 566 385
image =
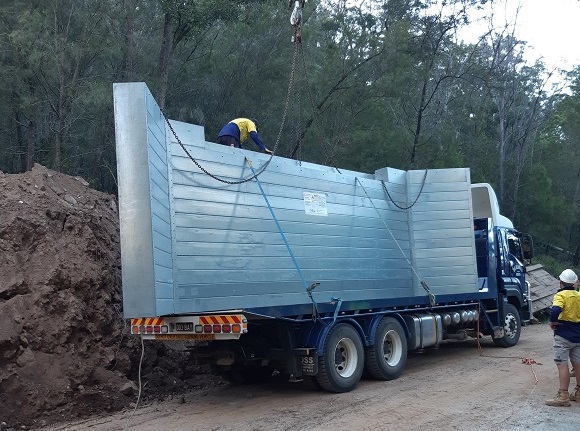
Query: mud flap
pixel 309 362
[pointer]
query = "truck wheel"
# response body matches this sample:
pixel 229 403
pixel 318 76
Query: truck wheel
pixel 512 328
pixel 341 365
pixel 386 359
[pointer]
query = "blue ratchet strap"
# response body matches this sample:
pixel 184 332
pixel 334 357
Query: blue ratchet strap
pixel 278 225
pixel 337 309
pixel 313 285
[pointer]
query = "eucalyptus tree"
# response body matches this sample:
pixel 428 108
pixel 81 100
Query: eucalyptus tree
pixel 345 56
pixel 60 49
pixel 436 67
pixel 519 94
pixel 355 78
pixel 314 89
pixel 186 21
pixel 564 128
pixel 558 152
pixel 235 68
pixel 19 103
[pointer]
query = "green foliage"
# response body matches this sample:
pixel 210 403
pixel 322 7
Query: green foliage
pixel 375 84
pixel 554 265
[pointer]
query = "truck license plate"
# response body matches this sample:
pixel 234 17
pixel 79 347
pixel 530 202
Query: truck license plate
pixel 184 326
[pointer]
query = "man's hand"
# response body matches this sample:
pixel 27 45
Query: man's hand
pixel 267 151
pixel 553 325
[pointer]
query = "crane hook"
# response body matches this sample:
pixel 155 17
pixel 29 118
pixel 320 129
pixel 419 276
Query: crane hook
pixel 296 18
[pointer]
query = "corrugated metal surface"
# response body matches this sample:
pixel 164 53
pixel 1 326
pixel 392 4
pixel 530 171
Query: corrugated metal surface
pixel 216 246
pixel 442 229
pixel 543 287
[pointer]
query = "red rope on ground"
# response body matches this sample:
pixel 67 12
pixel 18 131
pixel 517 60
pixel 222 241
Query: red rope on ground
pixel 526 361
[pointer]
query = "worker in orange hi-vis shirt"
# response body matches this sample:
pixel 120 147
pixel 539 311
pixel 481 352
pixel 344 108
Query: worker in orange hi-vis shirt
pixel 237 131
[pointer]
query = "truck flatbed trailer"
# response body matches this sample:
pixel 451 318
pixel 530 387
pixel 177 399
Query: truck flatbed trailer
pixel 241 253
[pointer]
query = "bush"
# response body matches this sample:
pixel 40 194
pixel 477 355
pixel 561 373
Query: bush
pixel 553 265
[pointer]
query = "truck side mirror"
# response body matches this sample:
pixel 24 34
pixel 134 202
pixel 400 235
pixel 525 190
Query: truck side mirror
pixel 528 246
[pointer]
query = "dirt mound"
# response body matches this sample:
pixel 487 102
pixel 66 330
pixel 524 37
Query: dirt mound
pixel 63 348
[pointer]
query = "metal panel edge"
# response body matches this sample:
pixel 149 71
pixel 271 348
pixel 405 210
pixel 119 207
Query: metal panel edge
pixel 134 199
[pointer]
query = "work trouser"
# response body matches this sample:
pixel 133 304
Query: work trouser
pixel 230 141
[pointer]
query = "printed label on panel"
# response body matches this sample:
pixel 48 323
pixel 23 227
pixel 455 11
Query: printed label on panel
pixel 315 204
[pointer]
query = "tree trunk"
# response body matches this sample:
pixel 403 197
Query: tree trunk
pixel 576 198
pixel 30 136
pixel 127 71
pixel 30 132
pixel 59 126
pixel 501 150
pixel 516 183
pixel 164 59
pixel 418 124
pixel 19 137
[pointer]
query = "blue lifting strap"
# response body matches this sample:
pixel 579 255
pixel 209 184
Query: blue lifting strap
pixel 278 226
pixel 310 288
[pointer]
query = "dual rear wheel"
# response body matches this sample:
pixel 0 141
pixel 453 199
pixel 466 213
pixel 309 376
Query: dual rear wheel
pixel 344 359
pixel 386 359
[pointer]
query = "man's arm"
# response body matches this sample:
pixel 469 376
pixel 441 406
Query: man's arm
pixel 554 313
pixel 259 142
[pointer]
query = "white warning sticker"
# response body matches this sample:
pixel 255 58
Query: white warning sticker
pixel 315 204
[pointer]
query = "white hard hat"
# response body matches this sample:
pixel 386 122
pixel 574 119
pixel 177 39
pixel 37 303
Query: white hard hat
pixel 568 276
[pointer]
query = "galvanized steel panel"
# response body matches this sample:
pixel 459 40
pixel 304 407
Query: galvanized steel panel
pixel 142 171
pixel 199 245
pixel 135 205
pixel 443 220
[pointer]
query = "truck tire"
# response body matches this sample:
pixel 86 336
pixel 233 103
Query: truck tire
pixel 387 358
pixel 512 328
pixel 341 366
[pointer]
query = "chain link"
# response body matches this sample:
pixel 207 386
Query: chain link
pixel 416 199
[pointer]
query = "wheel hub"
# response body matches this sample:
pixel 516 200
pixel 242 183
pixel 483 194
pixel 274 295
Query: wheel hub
pixel 392 349
pixel 345 358
pixel 510 325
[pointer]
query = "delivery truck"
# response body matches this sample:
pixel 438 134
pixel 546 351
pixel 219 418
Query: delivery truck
pixel 267 264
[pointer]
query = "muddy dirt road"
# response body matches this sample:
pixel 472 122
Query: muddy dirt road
pixel 456 387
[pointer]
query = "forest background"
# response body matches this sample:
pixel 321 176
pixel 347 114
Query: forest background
pixel 372 84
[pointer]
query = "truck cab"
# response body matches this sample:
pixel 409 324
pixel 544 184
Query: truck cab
pixel 501 253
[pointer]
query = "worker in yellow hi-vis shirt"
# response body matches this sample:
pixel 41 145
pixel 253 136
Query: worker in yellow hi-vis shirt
pixel 237 131
pixel 565 322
